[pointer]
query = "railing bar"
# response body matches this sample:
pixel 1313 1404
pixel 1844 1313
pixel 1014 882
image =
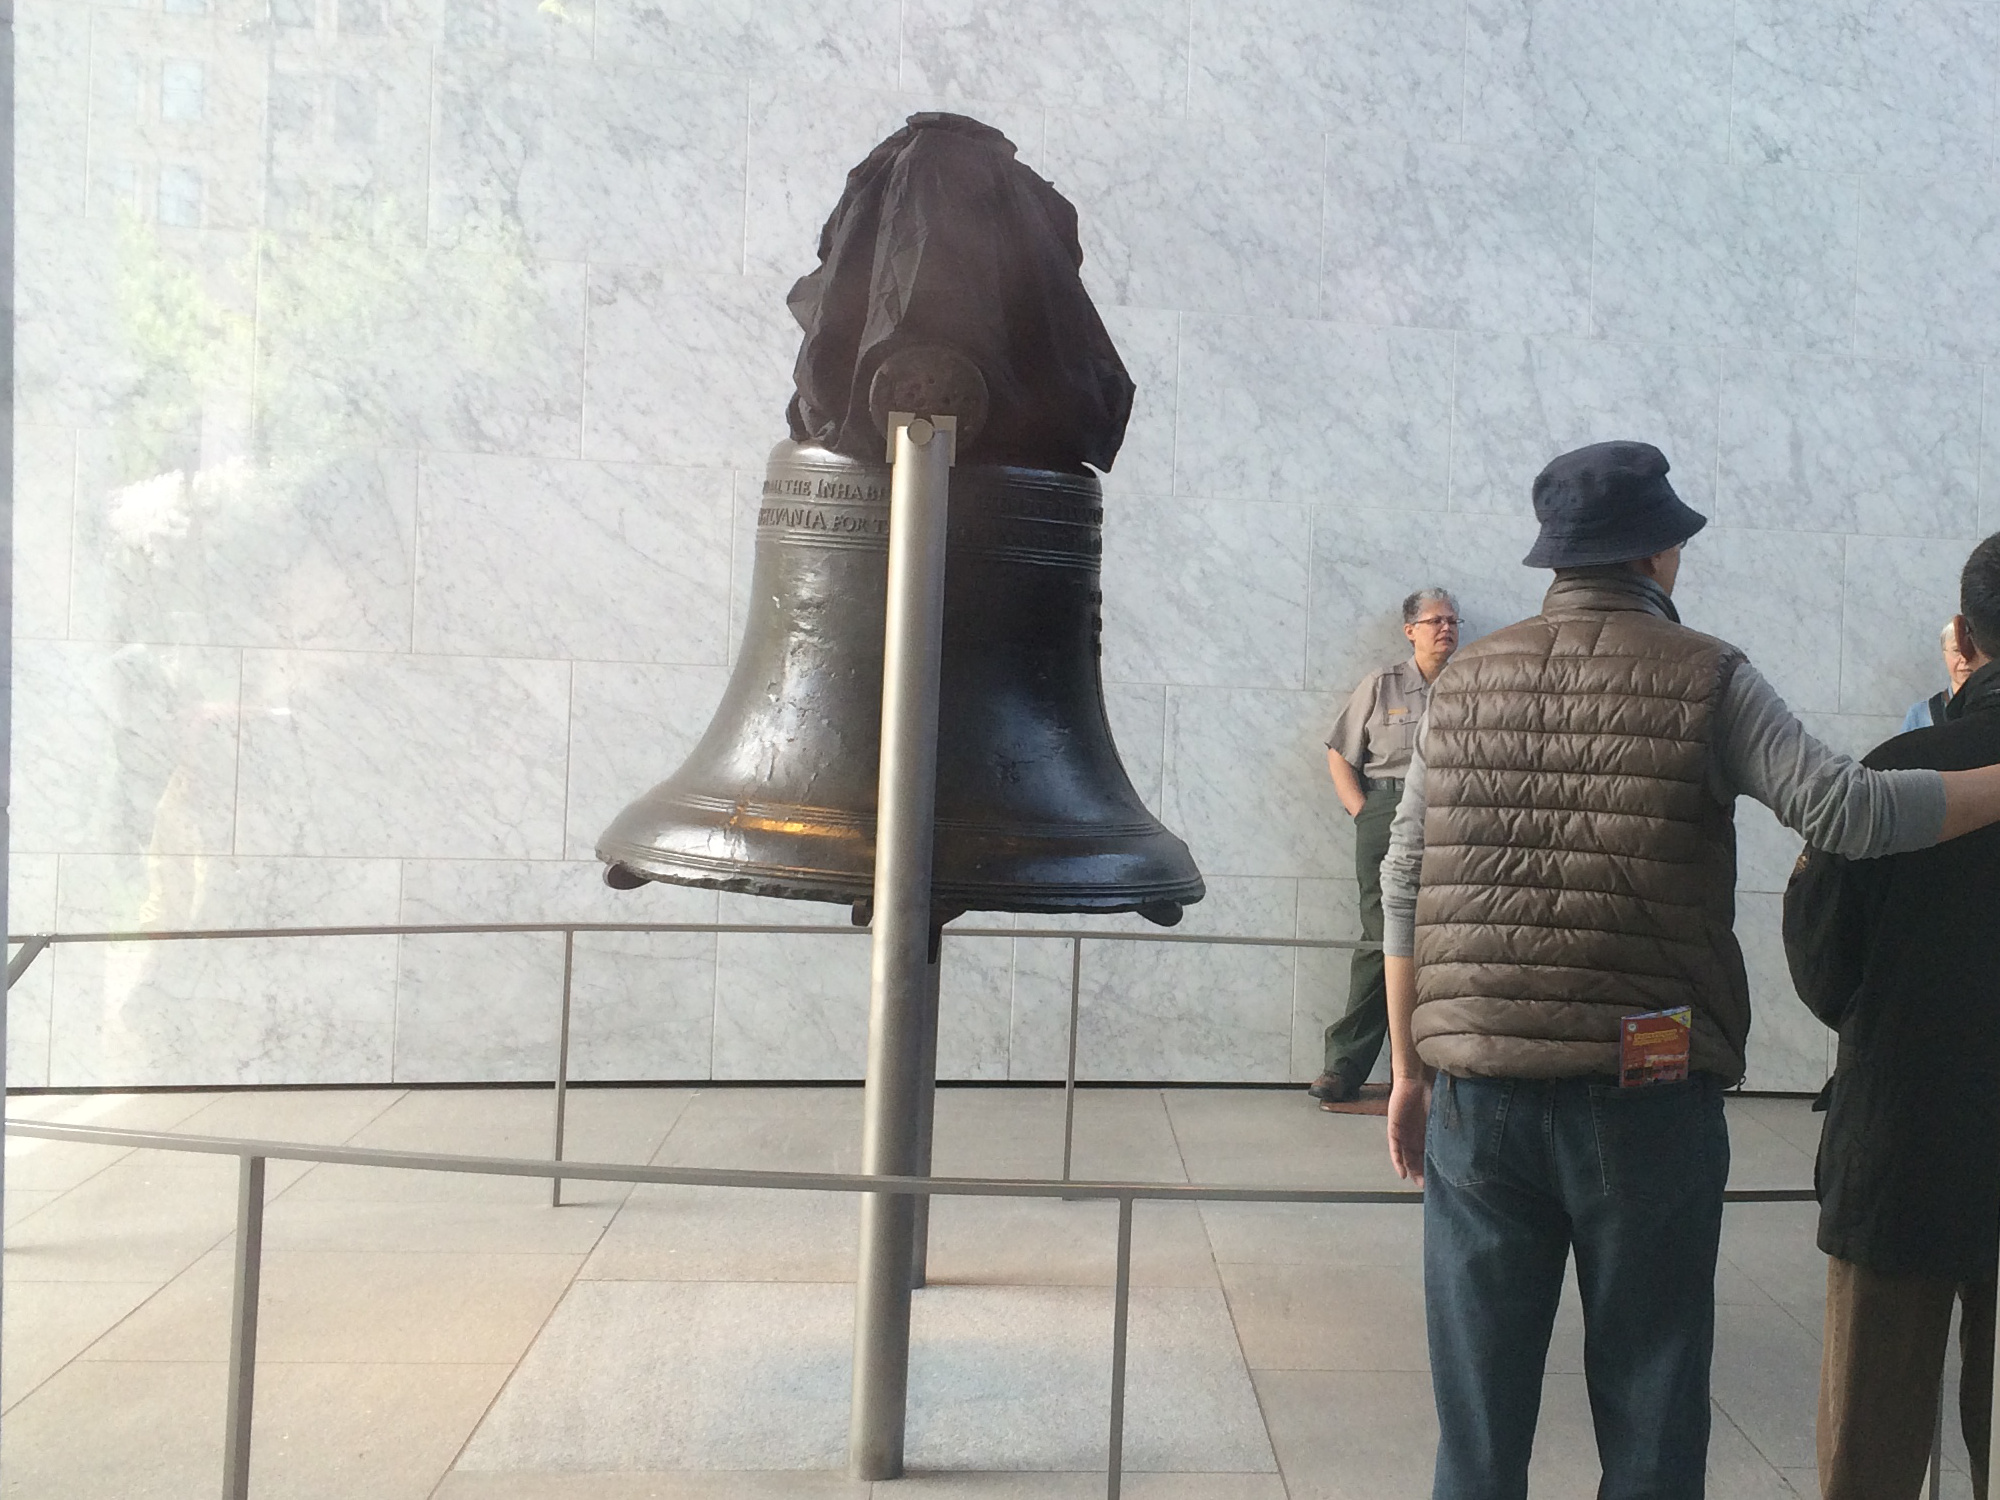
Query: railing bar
pixel 1121 1303
pixel 31 949
pixel 1069 1074
pixel 816 1182
pixel 46 939
pixel 562 1066
pixel 243 1329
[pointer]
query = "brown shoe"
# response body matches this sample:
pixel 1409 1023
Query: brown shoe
pixel 1331 1088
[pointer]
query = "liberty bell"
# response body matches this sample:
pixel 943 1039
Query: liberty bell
pixel 985 319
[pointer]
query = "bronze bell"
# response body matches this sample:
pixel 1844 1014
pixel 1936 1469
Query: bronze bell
pixel 1035 812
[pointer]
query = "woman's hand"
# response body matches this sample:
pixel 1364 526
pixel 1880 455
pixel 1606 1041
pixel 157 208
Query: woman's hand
pixel 1409 1112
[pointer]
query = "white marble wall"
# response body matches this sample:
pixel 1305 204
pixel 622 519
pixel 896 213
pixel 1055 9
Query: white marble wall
pixel 394 376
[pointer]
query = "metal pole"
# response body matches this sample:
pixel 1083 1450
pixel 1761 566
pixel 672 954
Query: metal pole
pixel 562 1067
pixel 6 503
pixel 905 826
pixel 920 1211
pixel 1121 1302
pixel 243 1328
pixel 1069 1074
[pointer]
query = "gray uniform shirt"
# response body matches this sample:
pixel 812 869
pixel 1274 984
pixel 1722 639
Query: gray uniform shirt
pixel 1760 750
pixel 1377 728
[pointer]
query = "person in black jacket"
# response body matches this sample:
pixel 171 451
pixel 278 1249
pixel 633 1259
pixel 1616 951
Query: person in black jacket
pixel 1902 956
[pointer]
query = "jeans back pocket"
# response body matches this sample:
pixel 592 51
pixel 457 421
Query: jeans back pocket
pixel 1467 1124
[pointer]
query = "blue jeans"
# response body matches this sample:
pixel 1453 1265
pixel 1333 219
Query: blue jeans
pixel 1518 1171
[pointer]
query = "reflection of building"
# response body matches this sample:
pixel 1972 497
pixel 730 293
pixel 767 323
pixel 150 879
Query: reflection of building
pixel 203 117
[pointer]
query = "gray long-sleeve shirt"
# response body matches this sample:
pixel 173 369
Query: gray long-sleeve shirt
pixel 1760 750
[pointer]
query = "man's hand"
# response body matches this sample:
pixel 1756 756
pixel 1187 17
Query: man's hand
pixel 1409 1111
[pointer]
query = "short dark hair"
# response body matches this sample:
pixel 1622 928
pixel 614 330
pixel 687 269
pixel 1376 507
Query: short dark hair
pixel 1979 595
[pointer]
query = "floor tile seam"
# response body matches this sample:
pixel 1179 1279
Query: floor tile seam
pixel 62 1193
pixel 83 1354
pixel 1744 1433
pixel 1174 1134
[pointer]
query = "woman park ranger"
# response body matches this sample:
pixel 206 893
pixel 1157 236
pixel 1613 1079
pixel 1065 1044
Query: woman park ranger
pixel 1368 752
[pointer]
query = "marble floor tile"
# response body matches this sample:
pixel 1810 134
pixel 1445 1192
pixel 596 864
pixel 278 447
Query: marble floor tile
pixel 812 1130
pixel 1766 1379
pixel 129 1223
pixel 151 1431
pixel 1048 1242
pixel 1333 1235
pixel 721 1484
pixel 1125 1135
pixel 354 1307
pixel 728 1234
pixel 295 1222
pixel 1348 1435
pixel 1309 1318
pixel 1278 1138
pixel 662 1376
pixel 49 1323
pixel 329 1117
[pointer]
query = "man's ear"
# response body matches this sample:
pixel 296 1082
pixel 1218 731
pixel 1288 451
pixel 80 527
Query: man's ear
pixel 1963 644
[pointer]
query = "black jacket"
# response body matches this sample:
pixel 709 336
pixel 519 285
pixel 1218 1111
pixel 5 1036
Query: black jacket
pixel 1902 955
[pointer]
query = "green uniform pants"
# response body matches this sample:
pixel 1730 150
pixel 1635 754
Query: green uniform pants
pixel 1355 1040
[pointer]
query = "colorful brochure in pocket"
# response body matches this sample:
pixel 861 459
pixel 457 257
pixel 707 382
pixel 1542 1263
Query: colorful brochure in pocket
pixel 1653 1048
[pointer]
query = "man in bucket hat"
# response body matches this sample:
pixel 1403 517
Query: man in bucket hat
pixel 1566 996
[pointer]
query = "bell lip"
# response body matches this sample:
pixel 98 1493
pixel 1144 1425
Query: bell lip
pixel 800 885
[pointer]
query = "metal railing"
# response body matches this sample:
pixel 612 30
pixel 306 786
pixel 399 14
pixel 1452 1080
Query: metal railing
pixel 32 946
pixel 252 1156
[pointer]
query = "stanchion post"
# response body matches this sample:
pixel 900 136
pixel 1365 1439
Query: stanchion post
pixel 243 1328
pixel 905 936
pixel 1069 1072
pixel 1121 1307
pixel 562 1066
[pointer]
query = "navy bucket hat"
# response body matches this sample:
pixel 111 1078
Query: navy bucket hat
pixel 1608 503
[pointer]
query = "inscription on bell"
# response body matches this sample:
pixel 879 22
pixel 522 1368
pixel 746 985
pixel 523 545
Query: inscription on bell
pixel 817 518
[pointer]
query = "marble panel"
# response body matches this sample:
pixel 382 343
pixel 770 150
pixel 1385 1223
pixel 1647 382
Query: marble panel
pixel 805 136
pixel 1431 235
pixel 591 162
pixel 257 1012
pixel 975 1006
pixel 176 120
pixel 1927 283
pixel 1185 1012
pixel 51 105
pixel 144 330
pixel 1284 409
pixel 1197 216
pixel 643 1006
pixel 1898 592
pixel 543 890
pixel 850 42
pixel 419 756
pixel 348 142
pixel 1789 1048
pixel 1327 909
pixel 1849 446
pixel 1777 595
pixel 297 552
pixel 1865 85
pixel 477 1009
pixel 528 557
pixel 1518 402
pixel 1138 714
pixel 1149 343
pixel 1766 850
pixel 44 506
pixel 685 369
pixel 31 907
pixel 1207 592
pixel 566 30
pixel 487 1007
pixel 1358 64
pixel 389 343
pixel 1854 735
pixel 1366 561
pixel 1535 72
pixel 630 727
pixel 790 1006
pixel 128 892
pixel 1699 253
pixel 1084 54
pixel 124 749
pixel 1246 783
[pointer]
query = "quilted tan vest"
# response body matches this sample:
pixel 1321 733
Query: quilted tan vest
pixel 1576 867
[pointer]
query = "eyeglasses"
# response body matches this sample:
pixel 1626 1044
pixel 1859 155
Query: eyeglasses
pixel 1439 622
